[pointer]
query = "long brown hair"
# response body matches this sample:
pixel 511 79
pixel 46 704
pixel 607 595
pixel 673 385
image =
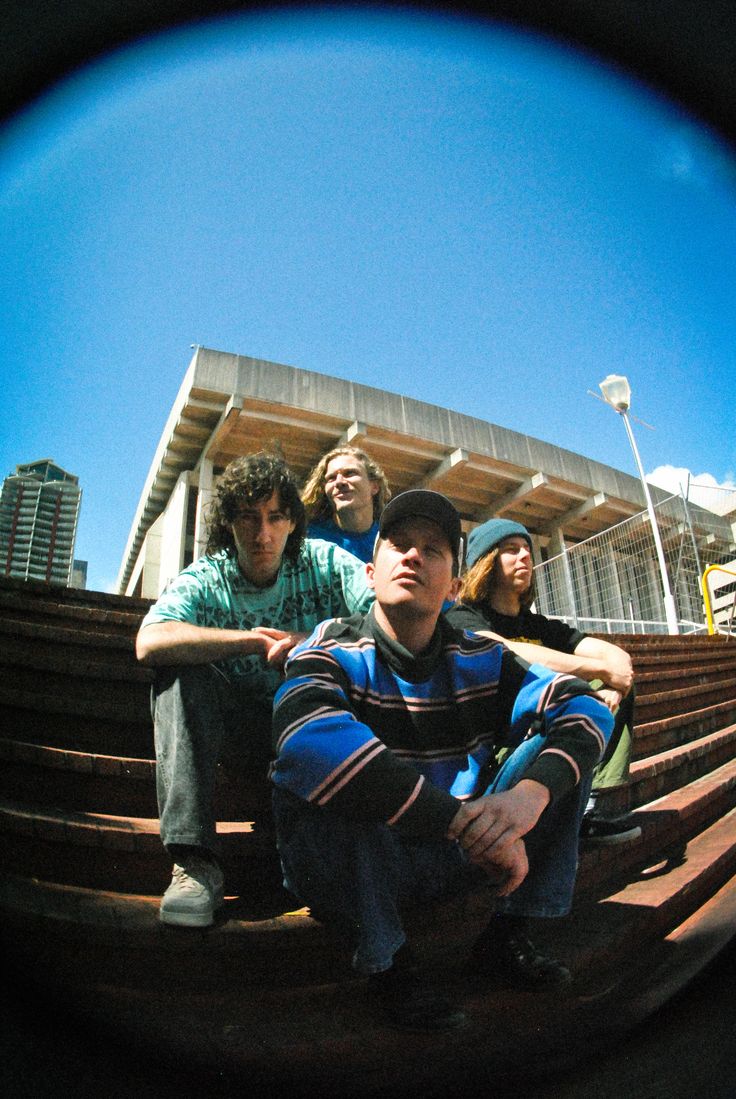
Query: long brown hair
pixel 477 584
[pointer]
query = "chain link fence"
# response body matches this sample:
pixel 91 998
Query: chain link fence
pixel 611 583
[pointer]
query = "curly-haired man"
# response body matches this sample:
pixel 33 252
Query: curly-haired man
pixel 218 637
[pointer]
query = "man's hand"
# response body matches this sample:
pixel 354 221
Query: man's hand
pixel 507 870
pixel 489 823
pixel 489 829
pixel 620 671
pixel 611 698
pixel 277 644
pixel 614 664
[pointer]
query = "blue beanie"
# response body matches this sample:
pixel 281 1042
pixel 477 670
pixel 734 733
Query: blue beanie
pixel 482 539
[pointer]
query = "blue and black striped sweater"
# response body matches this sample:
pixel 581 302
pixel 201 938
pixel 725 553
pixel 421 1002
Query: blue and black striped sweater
pixel 364 728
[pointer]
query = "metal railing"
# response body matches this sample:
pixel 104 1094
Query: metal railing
pixel 610 583
pixel 713 626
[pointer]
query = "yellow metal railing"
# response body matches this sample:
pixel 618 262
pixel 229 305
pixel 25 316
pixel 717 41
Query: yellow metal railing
pixel 706 593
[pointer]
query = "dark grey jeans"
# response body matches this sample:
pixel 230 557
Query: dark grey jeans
pixel 201 718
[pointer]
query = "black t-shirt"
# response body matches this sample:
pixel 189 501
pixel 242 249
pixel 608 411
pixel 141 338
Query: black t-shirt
pixel 533 628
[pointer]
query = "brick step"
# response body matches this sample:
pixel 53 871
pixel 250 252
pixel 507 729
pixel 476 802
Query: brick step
pixel 667 823
pixel 659 774
pixel 61 665
pixel 215 996
pixel 647 682
pixel 123 786
pixel 669 891
pixel 32 591
pixel 685 661
pixel 680 956
pixel 74 731
pixel 107 851
pixel 125 854
pixel 47 632
pixel 114 701
pixel 105 618
pixel 653 737
pixel 82 781
pixel 124 936
pixel 648 642
pixel 603 937
pixel 49 659
pixel 678 700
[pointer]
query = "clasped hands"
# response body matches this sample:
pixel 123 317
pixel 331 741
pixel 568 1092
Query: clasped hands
pixel 490 830
pixel 277 644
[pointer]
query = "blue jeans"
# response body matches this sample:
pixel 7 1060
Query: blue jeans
pixel 357 875
pixel 201 718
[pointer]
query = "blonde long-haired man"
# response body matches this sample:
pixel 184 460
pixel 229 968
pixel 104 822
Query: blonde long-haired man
pixel 344 495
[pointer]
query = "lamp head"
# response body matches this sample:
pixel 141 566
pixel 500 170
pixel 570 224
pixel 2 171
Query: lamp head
pixel 617 392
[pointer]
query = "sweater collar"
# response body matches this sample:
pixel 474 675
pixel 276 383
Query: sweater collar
pixel 400 660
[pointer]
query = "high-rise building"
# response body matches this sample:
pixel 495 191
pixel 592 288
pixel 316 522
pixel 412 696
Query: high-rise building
pixel 39 511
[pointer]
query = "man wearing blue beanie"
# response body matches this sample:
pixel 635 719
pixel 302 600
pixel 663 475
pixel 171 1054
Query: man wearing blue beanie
pixel 496 596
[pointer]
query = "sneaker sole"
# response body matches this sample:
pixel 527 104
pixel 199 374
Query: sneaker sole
pixel 610 841
pixel 183 917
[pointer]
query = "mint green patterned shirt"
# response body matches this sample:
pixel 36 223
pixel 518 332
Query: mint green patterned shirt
pixel 324 582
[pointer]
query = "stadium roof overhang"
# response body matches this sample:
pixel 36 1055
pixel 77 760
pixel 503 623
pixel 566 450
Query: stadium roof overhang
pixel 230 405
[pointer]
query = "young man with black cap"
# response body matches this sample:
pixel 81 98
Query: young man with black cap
pixel 495 596
pixel 386 730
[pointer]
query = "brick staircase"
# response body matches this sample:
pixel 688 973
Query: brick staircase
pixel 268 990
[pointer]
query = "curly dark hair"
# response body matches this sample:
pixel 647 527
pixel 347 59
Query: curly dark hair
pixel 247 481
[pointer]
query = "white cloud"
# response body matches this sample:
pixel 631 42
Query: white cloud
pixel 691 156
pixel 702 488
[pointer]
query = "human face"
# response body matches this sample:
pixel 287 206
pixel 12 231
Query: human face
pixel 260 532
pixel 350 491
pixel 412 570
pixel 513 568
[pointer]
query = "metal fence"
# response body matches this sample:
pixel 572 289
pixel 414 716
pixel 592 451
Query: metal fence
pixel 611 583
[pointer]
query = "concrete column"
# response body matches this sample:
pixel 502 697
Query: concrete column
pixel 206 481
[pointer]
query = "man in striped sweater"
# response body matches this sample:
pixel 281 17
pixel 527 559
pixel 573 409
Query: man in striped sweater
pixel 386 787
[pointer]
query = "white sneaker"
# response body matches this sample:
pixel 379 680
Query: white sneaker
pixel 195 893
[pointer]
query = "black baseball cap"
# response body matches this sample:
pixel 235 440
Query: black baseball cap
pixel 422 502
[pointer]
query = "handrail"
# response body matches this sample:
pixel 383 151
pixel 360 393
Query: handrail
pixel 706 593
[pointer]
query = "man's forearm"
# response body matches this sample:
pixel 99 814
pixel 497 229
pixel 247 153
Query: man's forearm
pixel 593 659
pixel 585 667
pixel 166 643
pixel 614 664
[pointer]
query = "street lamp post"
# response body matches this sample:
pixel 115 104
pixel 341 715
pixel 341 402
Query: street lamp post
pixel 617 392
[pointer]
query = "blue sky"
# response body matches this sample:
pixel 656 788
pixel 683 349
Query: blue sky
pixel 468 215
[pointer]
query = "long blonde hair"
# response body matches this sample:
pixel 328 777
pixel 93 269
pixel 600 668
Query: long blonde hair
pixel 313 496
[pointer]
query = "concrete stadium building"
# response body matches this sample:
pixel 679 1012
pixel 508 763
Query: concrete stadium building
pixel 229 405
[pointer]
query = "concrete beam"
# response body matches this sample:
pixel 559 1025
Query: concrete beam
pixel 583 509
pixel 353 435
pixel 458 457
pixel 225 426
pixel 525 489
